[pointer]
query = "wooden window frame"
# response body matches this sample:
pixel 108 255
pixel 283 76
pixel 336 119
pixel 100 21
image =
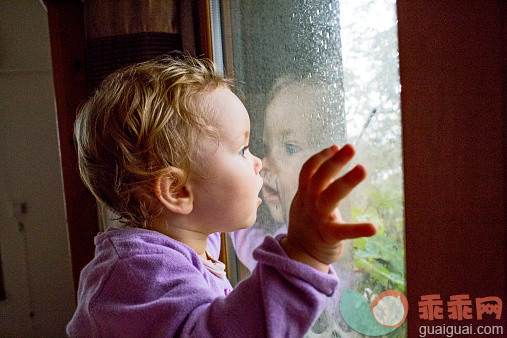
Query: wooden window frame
pixel 452 72
pixel 67 40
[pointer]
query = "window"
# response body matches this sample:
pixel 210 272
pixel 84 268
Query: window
pixel 313 73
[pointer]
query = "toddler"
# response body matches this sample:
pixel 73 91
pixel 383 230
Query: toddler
pixel 164 144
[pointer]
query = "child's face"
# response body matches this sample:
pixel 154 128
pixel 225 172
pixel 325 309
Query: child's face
pixel 226 198
pixel 287 140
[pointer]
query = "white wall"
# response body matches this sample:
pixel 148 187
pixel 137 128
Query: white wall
pixel 36 262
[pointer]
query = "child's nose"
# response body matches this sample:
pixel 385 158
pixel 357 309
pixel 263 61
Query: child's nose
pixel 257 165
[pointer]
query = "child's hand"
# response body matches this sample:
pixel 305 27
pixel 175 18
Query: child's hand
pixel 316 229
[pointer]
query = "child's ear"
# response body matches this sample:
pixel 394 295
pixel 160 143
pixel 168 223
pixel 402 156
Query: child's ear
pixel 173 193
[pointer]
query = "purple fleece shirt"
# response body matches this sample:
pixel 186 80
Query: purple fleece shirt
pixel 142 283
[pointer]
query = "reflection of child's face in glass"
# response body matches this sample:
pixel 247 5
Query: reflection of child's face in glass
pixel 287 135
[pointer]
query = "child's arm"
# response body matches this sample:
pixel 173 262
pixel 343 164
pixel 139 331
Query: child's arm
pixel 316 229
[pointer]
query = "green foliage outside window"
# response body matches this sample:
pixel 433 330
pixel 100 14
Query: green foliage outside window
pixel 380 198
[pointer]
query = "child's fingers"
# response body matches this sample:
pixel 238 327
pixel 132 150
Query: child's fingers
pixel 352 230
pixel 330 169
pixel 335 192
pixel 312 165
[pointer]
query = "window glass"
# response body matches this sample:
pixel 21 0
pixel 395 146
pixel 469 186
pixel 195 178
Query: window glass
pixel 314 73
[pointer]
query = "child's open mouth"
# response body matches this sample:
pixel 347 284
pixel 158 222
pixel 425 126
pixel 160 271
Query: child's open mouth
pixel 259 201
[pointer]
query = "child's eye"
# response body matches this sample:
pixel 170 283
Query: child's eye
pixel 243 151
pixel 292 149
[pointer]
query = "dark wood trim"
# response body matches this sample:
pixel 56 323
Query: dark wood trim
pixel 2 286
pixel 67 38
pixel 451 68
pixel 225 9
pixel 203 34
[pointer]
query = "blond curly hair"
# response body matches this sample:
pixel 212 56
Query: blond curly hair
pixel 142 121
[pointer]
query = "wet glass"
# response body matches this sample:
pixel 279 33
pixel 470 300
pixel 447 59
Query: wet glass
pixel 314 73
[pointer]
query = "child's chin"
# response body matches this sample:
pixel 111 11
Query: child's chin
pixel 244 227
pixel 250 222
